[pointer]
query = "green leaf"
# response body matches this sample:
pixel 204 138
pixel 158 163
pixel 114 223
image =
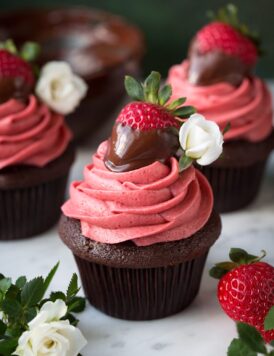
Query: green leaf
pixel 133 88
pixel 71 318
pixel 30 51
pixel 272 343
pixel 184 162
pixel 12 308
pixel 239 348
pixel 50 277
pixel 57 295
pixel 7 346
pixel 9 46
pixel 174 104
pixel 73 288
pixel 217 272
pixel 13 292
pixel 269 320
pixel 165 94
pixel 184 111
pixel 77 305
pixel 1 276
pixel 30 314
pixel 151 87
pixel 5 284
pixel 227 128
pixel 33 292
pixel 3 328
pixel 20 282
pixel 251 337
pixel 240 256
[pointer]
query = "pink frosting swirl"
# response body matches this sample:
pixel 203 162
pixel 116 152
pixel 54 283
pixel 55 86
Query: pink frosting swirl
pixel 30 134
pixel 148 205
pixel 248 107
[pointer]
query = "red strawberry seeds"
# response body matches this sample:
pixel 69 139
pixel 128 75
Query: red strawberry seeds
pixel 12 66
pixel 223 37
pixel 146 116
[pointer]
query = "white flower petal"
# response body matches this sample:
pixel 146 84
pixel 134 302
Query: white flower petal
pixel 201 139
pixel 60 88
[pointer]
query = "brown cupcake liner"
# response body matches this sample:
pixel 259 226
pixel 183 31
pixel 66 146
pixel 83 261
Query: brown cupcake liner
pixel 234 187
pixel 141 294
pixel 32 210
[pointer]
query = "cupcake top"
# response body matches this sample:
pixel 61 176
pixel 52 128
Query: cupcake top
pixel 141 186
pixel 247 107
pixel 218 78
pixel 31 133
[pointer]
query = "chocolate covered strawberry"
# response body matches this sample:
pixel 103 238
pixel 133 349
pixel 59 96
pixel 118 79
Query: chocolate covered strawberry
pixel 223 50
pixel 16 74
pixel 145 130
pixel 246 289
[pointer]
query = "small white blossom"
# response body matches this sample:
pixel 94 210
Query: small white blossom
pixel 201 139
pixel 48 335
pixel 60 88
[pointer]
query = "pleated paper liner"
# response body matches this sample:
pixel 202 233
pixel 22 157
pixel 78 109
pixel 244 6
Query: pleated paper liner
pixel 141 294
pixel 234 188
pixel 29 211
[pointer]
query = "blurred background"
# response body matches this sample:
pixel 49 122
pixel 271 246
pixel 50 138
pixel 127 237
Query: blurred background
pixel 168 25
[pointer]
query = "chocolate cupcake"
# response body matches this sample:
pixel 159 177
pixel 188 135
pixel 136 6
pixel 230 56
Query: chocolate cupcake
pixel 100 47
pixel 141 222
pixel 218 80
pixel 35 149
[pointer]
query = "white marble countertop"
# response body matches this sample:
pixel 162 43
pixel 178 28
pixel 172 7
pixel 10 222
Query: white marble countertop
pixel 202 329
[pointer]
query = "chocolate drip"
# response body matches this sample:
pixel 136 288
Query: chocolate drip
pixel 15 88
pixel 215 67
pixel 131 149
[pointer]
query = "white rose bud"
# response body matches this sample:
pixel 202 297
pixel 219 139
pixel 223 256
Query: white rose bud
pixel 60 88
pixel 48 335
pixel 201 139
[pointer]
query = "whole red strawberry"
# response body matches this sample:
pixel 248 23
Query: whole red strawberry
pixel 223 50
pixel 246 289
pixel 145 130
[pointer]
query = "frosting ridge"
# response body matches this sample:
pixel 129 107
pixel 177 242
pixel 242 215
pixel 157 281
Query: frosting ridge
pixel 148 205
pixel 30 134
pixel 247 107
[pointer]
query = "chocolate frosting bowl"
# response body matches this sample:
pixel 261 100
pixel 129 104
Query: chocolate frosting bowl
pixel 100 47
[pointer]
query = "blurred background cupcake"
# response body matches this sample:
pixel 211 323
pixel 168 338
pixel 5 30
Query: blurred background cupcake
pixel 100 47
pixel 35 143
pixel 218 79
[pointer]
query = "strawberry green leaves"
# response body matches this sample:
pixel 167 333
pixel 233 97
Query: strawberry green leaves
pixel 165 94
pixel 134 88
pixel 238 257
pixel 151 87
pixel 249 342
pixel 28 52
pixel 150 91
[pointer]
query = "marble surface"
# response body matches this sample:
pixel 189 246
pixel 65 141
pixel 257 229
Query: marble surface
pixel 202 329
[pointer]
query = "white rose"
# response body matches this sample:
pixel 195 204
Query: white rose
pixel 60 88
pixel 201 139
pixel 50 336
